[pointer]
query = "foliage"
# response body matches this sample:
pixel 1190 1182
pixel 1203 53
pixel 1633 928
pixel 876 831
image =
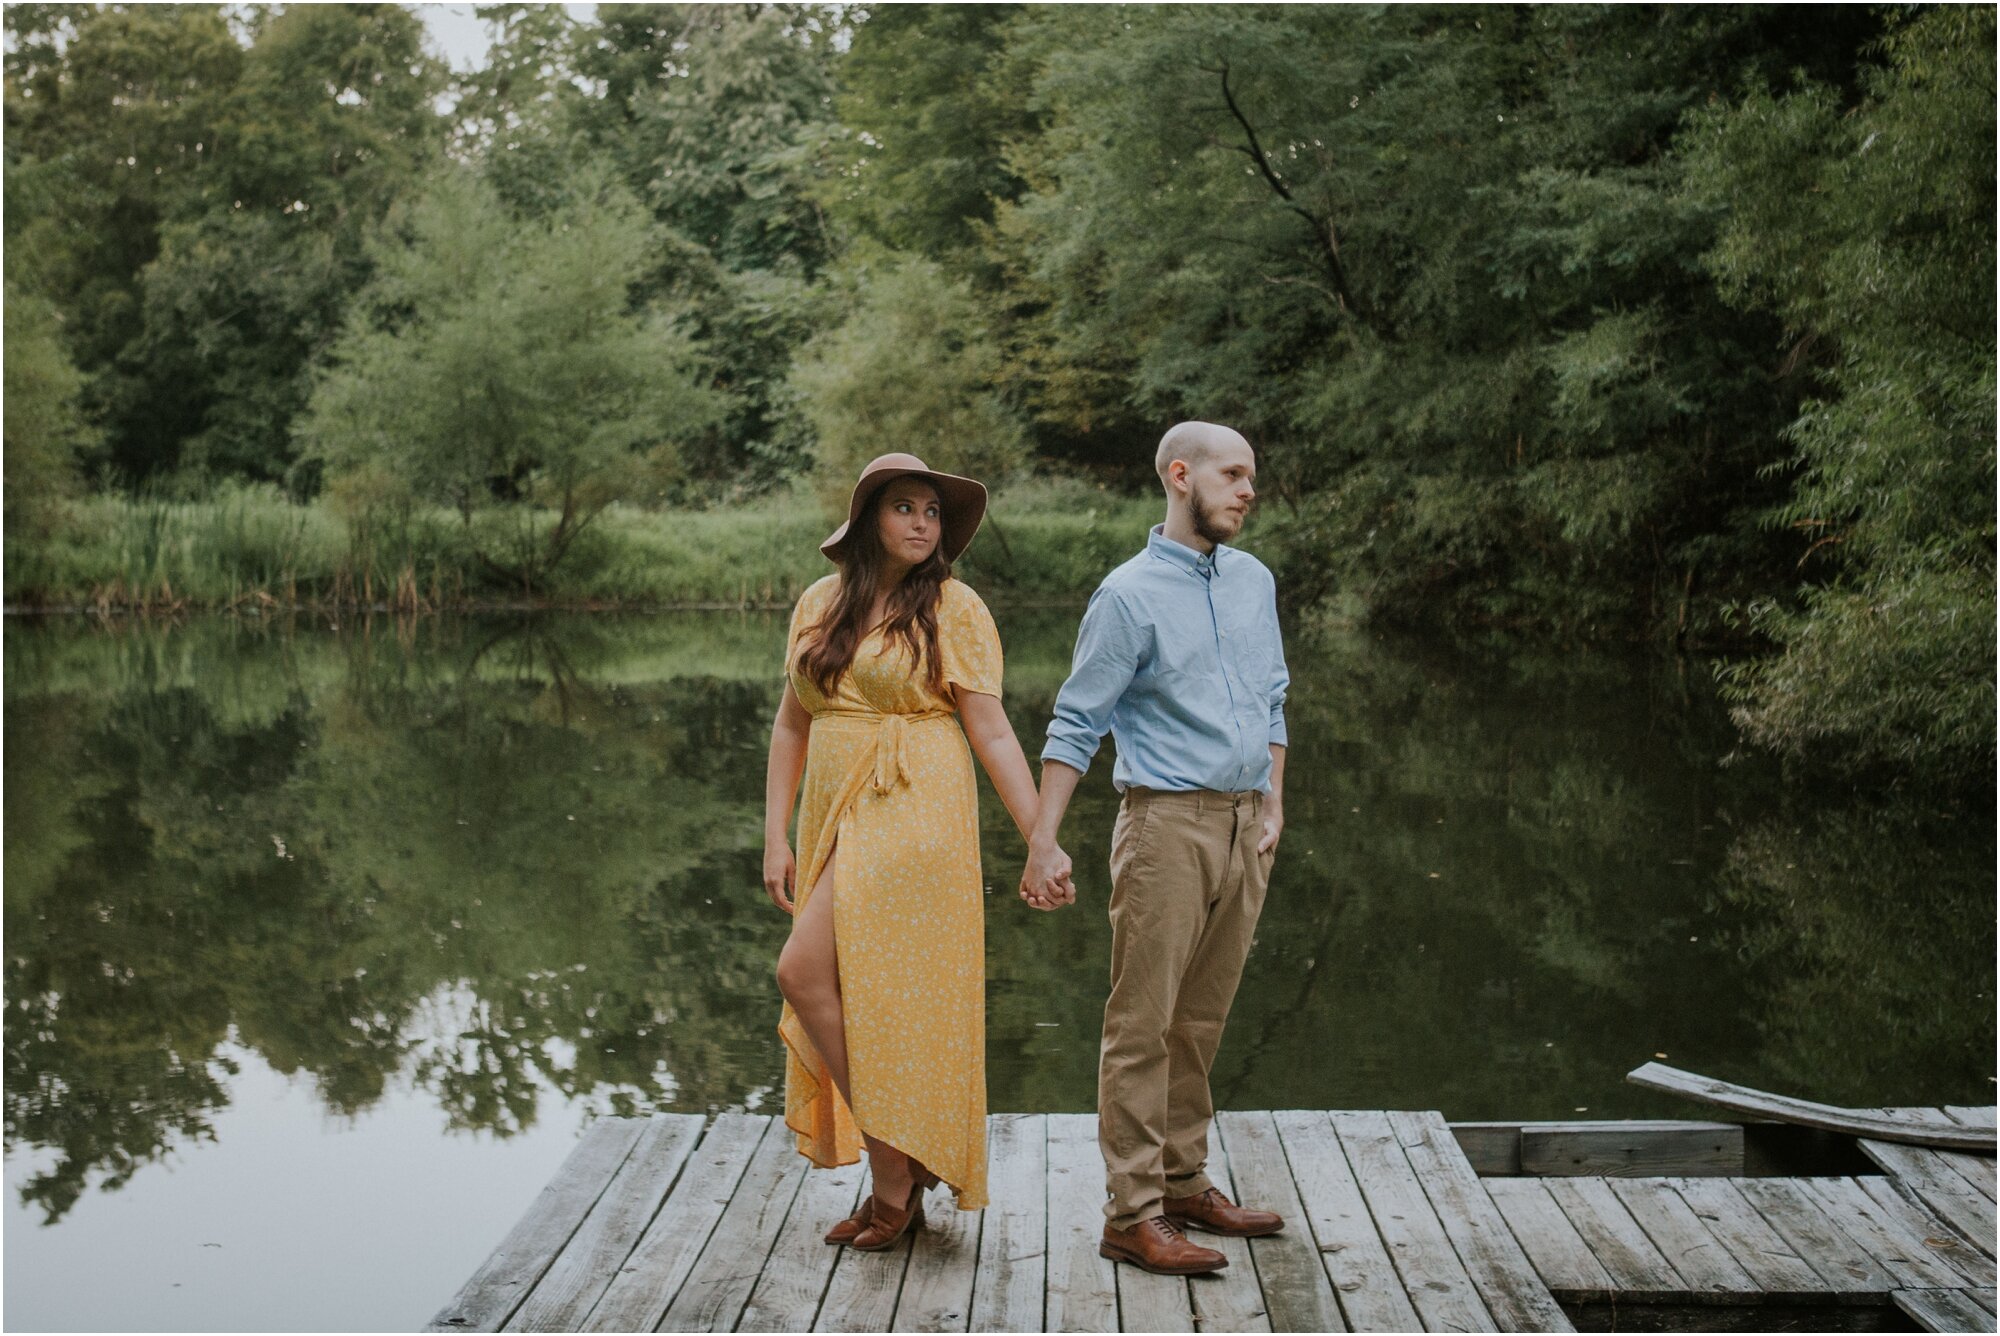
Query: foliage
pixel 199 204
pixel 713 116
pixel 1871 232
pixel 926 108
pixel 1401 249
pixel 496 360
pixel 247 547
pixel 44 426
pixel 913 369
pixel 1571 321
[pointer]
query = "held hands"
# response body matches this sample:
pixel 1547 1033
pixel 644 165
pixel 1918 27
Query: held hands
pixel 779 872
pixel 1045 882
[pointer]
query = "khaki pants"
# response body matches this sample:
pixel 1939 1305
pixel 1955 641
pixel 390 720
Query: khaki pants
pixel 1187 884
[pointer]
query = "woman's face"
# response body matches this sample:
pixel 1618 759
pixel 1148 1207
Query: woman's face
pixel 908 521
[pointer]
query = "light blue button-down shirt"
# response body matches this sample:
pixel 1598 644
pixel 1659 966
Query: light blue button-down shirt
pixel 1179 658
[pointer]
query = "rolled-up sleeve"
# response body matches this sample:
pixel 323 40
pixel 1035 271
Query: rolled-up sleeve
pixel 1281 678
pixel 1107 655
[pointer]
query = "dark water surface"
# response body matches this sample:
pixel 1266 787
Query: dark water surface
pixel 322 944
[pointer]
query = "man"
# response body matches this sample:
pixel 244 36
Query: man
pixel 1179 658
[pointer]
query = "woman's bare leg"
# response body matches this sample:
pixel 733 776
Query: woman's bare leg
pixel 809 977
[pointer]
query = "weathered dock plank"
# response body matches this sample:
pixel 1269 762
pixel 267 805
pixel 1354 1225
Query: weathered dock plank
pixel 1901 1253
pixel 1432 1275
pixel 1847 1269
pixel 794 1280
pixel 1083 1292
pixel 1296 1294
pixel 1514 1294
pixel 1357 1263
pixel 865 1286
pixel 713 1296
pixel 573 1284
pixel 937 1288
pixel 1014 1242
pixel 1232 1299
pixel 1944 1310
pixel 1974 1167
pixel 1930 1176
pixel 1633 1149
pixel 1751 1242
pixel 1641 1273
pixel 1681 1237
pixel 1903 1211
pixel 1560 1256
pixel 1147 1302
pixel 1493 1148
pixel 1806 1113
pixel 658 1224
pixel 511 1271
pixel 641 1289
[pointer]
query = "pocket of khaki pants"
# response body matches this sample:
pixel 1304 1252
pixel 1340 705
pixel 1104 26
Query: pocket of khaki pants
pixel 1128 837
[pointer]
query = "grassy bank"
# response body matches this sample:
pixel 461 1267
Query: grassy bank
pixel 250 547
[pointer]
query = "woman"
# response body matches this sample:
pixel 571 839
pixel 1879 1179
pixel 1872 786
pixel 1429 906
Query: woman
pixel 884 974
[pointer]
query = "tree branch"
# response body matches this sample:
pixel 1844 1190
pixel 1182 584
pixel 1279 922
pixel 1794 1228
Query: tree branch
pixel 1322 228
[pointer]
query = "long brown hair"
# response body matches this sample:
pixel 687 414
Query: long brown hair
pixel 832 641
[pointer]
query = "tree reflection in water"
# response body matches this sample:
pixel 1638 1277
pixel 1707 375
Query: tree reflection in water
pixel 490 859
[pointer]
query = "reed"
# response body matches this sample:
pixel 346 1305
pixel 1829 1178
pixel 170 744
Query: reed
pixel 248 547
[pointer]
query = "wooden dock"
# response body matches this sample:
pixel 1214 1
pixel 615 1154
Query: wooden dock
pixel 680 1223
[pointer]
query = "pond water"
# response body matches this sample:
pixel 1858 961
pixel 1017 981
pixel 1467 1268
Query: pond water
pixel 324 942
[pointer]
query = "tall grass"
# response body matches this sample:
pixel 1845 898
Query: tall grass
pixel 249 546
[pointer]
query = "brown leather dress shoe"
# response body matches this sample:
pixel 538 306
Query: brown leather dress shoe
pixel 1215 1213
pixel 1156 1245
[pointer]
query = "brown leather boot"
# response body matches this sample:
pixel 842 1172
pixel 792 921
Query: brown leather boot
pixel 891 1223
pixel 848 1229
pixel 1156 1245
pixel 1215 1213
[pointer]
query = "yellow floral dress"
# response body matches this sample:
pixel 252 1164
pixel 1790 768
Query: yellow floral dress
pixel 889 782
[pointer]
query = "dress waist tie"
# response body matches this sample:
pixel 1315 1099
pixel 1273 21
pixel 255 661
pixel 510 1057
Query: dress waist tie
pixel 882 768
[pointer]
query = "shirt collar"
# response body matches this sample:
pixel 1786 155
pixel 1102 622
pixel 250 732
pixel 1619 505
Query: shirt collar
pixel 1181 555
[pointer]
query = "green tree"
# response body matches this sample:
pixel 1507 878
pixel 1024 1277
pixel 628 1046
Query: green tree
pixel 1432 260
pixel 1870 230
pixel 911 368
pixel 45 427
pixel 495 360
pixel 926 106
pixel 200 203
pixel 713 113
pixel 713 116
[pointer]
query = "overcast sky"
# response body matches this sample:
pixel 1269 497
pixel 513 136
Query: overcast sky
pixel 462 38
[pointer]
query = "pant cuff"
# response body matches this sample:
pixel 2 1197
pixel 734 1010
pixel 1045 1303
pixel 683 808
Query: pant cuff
pixel 1123 1214
pixel 1192 1186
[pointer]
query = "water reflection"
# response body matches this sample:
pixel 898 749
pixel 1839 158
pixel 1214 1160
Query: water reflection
pixel 492 859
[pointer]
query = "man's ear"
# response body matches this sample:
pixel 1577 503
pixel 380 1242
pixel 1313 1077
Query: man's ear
pixel 1177 475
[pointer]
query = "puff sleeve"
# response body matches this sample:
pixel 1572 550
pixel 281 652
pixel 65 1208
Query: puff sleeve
pixel 805 613
pixel 969 642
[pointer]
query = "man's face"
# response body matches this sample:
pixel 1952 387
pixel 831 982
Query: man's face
pixel 1220 490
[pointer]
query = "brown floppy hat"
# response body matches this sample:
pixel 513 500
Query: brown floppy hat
pixel 964 502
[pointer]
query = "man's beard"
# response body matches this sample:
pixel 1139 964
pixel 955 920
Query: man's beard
pixel 1205 521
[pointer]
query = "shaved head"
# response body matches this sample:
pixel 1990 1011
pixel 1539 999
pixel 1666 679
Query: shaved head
pixel 1195 444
